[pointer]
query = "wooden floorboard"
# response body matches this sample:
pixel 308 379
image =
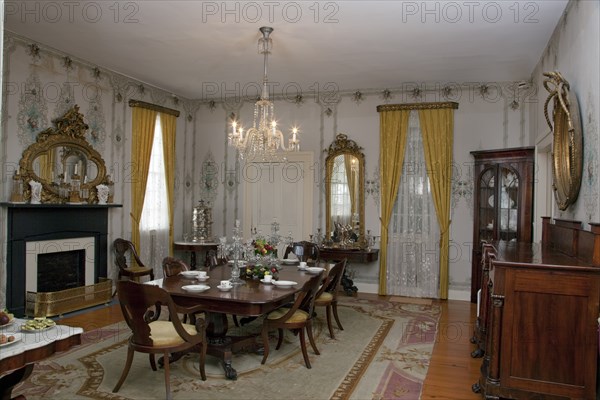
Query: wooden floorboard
pixel 451 371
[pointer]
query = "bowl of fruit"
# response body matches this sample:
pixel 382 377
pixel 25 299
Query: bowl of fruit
pixel 5 340
pixel 6 318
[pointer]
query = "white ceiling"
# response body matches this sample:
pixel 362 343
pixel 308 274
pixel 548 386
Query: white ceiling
pixel 186 47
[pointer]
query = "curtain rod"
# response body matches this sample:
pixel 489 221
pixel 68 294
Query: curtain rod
pixel 417 106
pixel 153 107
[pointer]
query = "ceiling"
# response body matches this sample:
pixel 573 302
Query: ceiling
pixel 202 50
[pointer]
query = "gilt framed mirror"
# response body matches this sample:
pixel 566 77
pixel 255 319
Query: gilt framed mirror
pixel 567 142
pixel 59 153
pixel 345 193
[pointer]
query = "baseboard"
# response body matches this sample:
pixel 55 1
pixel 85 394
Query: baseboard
pixel 367 287
pixel 459 295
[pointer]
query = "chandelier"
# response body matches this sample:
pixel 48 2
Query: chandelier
pixel 263 139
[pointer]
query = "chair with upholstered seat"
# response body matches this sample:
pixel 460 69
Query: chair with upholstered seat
pixel 304 250
pixel 140 304
pixel 297 318
pixel 137 268
pixel 327 294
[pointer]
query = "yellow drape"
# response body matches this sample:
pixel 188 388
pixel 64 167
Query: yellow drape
pixel 143 123
pixel 392 141
pixel 437 129
pixel 351 178
pixel 169 127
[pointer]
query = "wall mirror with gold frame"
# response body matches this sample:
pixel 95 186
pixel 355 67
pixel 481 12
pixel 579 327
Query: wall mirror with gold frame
pixel 345 193
pixel 58 154
pixel 567 143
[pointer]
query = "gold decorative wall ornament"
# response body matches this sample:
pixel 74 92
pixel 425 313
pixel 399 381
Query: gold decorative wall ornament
pixel 567 144
pixel 59 155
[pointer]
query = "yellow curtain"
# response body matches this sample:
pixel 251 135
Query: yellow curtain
pixel 392 141
pixel 437 129
pixel 351 178
pixel 168 123
pixel 143 123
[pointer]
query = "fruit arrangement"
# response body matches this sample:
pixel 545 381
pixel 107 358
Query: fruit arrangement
pixel 6 339
pixel 5 317
pixel 38 324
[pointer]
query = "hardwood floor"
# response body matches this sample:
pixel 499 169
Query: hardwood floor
pixel 451 371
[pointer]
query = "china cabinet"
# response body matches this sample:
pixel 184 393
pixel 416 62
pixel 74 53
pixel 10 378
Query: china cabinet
pixel 503 200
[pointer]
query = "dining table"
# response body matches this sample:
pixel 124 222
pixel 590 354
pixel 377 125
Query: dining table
pixel 251 298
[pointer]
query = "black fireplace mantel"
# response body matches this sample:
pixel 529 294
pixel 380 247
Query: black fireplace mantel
pixel 37 222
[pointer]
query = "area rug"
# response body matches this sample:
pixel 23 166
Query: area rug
pixel 382 353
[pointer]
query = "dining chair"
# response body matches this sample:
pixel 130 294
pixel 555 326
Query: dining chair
pixel 9 381
pixel 151 336
pixel 304 250
pixel 173 266
pixel 133 272
pixel 328 292
pixel 297 318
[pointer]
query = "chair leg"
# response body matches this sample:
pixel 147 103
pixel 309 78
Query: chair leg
pixel 279 339
pixel 167 369
pixel 303 347
pixel 203 359
pixel 311 338
pixel 152 362
pixel 335 314
pixel 265 339
pixel 125 370
pixel 328 312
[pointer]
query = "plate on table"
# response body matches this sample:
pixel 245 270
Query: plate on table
pixel 203 278
pixel 10 322
pixel 284 284
pixel 189 274
pixel 315 270
pixel 195 288
pixel 289 261
pixel 39 324
pixel 267 283
pixel 16 338
pixel 225 288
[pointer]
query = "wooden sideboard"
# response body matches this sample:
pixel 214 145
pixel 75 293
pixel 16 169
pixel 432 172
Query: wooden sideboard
pixel 352 255
pixel 538 321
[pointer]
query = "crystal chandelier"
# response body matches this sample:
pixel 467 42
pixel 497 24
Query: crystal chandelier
pixel 263 139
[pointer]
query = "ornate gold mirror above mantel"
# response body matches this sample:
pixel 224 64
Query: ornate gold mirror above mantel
pixel 345 193
pixel 60 156
pixel 567 143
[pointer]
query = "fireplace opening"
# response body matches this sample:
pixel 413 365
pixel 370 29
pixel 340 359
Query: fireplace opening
pixel 60 270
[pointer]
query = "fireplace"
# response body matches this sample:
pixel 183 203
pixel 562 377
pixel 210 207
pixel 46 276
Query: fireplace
pixel 53 265
pixel 52 228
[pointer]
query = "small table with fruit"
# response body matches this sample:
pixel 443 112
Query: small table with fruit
pixel 23 342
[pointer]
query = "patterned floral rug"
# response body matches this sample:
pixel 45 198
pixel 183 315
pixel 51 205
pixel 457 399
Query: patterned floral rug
pixel 382 353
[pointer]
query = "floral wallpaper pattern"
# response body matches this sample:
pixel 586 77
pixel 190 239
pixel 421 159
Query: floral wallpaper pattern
pixel 33 110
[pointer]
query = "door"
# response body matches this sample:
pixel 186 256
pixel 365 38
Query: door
pixel 280 191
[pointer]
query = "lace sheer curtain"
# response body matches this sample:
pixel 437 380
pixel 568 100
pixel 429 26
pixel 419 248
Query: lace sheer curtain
pixel 413 242
pixel 154 224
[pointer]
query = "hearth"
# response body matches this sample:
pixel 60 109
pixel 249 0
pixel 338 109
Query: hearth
pixel 32 229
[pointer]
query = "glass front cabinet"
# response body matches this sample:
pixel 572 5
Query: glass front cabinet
pixel 503 200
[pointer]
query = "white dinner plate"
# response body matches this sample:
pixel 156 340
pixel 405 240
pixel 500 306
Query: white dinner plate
pixel 314 270
pixel 17 336
pixel 189 274
pixel 289 261
pixel 195 288
pixel 284 284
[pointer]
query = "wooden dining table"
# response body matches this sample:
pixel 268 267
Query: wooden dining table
pixel 252 298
